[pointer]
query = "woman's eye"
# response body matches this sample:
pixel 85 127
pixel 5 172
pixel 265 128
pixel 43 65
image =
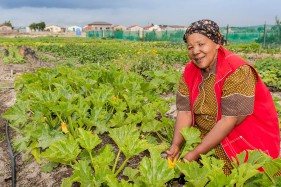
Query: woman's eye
pixel 201 44
pixel 189 48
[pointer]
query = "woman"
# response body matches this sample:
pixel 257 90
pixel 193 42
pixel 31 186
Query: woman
pixel 222 96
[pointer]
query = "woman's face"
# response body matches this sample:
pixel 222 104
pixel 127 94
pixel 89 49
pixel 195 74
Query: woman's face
pixel 202 50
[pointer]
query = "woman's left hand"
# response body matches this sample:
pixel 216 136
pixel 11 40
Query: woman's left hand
pixel 191 156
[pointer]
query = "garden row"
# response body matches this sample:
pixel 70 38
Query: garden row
pixel 106 89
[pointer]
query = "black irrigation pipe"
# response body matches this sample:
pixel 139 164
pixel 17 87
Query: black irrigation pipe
pixel 5 89
pixel 12 155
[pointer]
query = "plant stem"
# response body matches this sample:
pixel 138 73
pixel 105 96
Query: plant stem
pixel 71 126
pixel 91 157
pixel 161 137
pixel 121 167
pixel 116 160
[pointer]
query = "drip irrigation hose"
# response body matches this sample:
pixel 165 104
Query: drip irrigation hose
pixel 2 90
pixel 12 155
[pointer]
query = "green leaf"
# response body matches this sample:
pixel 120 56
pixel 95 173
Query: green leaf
pixel 49 167
pixel 45 136
pixel 152 126
pixel 131 173
pixel 221 180
pixel 127 139
pixel 101 163
pixel 192 139
pixel 17 114
pixel 244 172
pixel 117 119
pixel 155 171
pixel 83 174
pixel 36 154
pixel 194 174
pixel 88 140
pixel 271 167
pixel 62 151
pixel 113 182
pixel 104 157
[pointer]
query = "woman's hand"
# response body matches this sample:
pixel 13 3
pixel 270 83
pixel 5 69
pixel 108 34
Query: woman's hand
pixel 191 156
pixel 174 152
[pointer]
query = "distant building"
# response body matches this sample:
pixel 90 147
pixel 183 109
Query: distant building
pixel 152 28
pixel 73 28
pixel 54 28
pixel 119 27
pixel 98 25
pixel 172 27
pixel 134 28
pixel 5 29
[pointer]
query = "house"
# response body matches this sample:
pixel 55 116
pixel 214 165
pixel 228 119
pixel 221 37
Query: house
pixel 152 28
pixel 54 28
pixel 172 27
pixel 119 28
pixel 135 28
pixel 98 25
pixel 73 28
pixel 5 29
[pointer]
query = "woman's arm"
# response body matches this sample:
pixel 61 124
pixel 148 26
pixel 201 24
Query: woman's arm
pixel 184 119
pixel 223 127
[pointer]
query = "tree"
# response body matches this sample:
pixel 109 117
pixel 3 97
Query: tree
pixel 37 26
pixel 8 23
pixel 41 26
pixel 32 26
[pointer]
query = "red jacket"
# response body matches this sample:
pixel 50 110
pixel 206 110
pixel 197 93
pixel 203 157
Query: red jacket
pixel 259 130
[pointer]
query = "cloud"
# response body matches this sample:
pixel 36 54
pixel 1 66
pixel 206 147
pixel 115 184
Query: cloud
pixel 74 4
pixel 139 12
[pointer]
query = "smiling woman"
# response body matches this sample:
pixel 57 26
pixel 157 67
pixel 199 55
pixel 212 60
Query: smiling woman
pixel 222 95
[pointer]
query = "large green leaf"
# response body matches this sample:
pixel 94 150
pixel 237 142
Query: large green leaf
pixel 62 151
pixel 88 140
pixel 113 182
pixel 102 162
pixel 244 172
pixel 155 171
pixel 17 115
pixel 194 173
pixel 192 139
pixel 82 173
pixel 128 140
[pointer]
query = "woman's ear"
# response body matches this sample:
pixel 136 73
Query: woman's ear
pixel 218 46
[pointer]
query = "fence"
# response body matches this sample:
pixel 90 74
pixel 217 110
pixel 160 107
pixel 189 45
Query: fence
pixel 173 36
pixel 266 35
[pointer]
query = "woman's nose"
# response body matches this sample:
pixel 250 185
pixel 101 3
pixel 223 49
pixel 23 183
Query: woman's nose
pixel 195 50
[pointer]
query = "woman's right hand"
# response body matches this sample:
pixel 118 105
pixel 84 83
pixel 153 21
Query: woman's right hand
pixel 173 152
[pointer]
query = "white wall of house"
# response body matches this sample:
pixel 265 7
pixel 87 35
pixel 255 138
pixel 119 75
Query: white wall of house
pixel 135 28
pixel 73 28
pixel 5 29
pixel 119 27
pixel 153 28
pixel 53 28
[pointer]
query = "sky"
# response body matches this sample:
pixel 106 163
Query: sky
pixel 139 12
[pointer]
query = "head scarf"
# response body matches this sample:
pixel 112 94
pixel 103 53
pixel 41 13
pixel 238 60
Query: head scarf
pixel 206 27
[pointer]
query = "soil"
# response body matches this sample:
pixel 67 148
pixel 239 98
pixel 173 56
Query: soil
pixel 28 171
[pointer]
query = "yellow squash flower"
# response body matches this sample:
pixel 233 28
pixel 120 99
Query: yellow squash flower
pixel 171 163
pixel 64 128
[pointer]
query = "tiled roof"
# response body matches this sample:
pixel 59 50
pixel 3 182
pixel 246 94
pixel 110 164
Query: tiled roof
pixel 100 23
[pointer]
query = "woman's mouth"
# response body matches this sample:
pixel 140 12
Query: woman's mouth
pixel 198 60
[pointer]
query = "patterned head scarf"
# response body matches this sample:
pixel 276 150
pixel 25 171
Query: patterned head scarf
pixel 207 28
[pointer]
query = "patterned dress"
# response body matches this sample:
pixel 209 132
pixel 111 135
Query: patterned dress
pixel 237 100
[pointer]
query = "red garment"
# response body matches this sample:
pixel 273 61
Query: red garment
pixel 259 130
